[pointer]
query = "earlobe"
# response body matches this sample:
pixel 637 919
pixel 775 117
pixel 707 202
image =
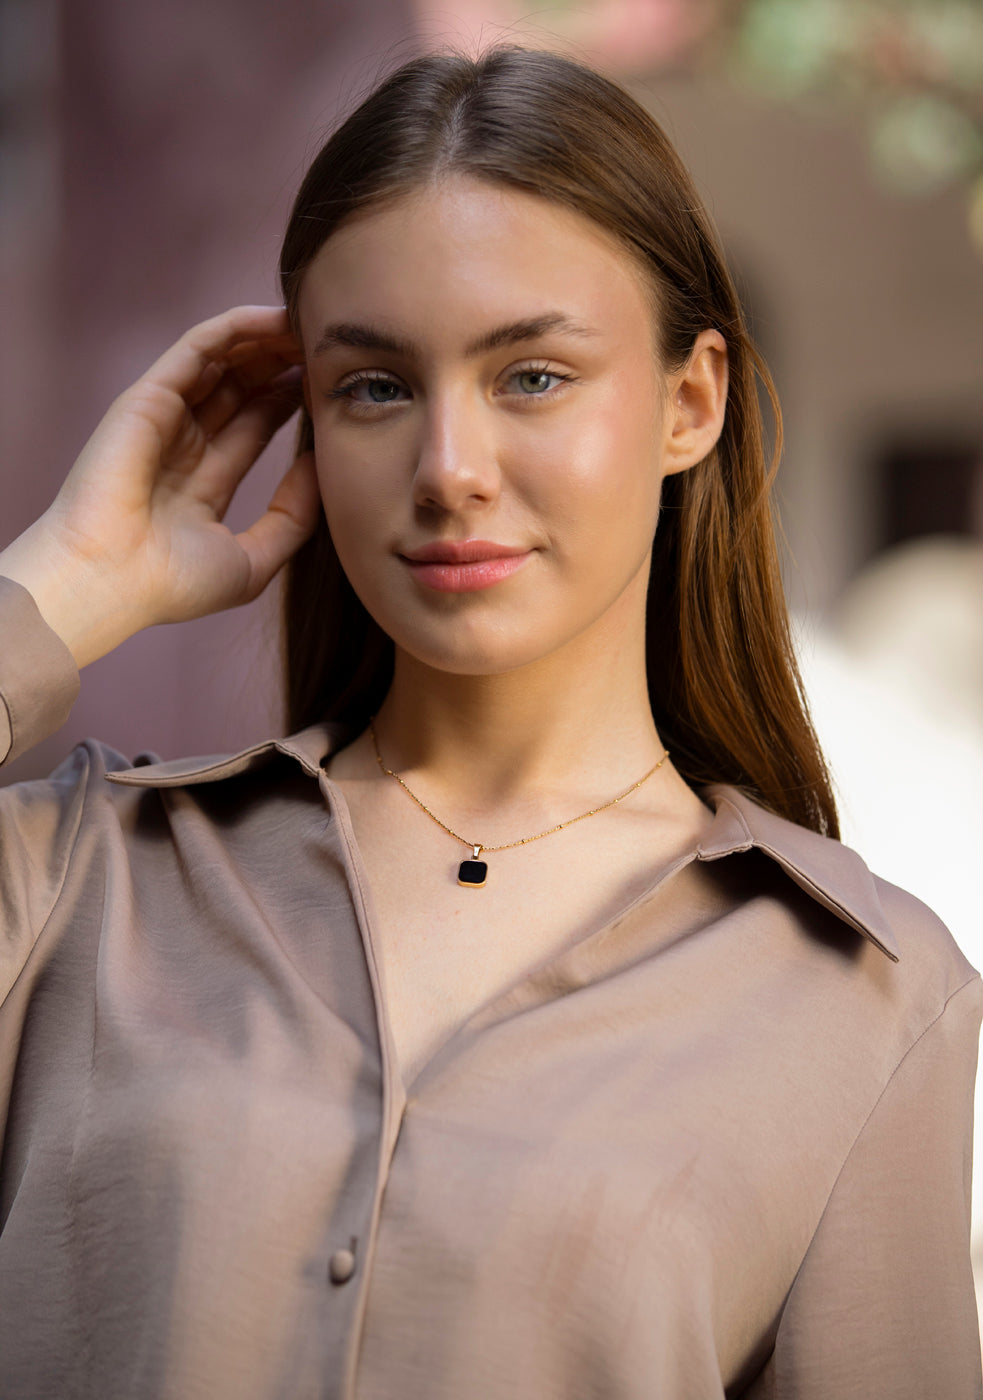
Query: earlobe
pixel 697 405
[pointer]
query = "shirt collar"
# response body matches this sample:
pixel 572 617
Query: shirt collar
pixel 310 747
pixel 831 873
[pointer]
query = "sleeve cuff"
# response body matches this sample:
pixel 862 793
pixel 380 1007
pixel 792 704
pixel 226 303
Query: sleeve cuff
pixel 39 681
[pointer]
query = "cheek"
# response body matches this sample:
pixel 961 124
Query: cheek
pixel 356 479
pixel 603 475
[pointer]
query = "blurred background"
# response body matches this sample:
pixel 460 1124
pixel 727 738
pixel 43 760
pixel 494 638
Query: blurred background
pixel 148 157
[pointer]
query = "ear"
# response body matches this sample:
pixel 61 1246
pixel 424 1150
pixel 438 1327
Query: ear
pixel 697 402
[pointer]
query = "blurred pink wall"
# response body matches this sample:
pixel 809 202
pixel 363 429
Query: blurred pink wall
pixel 150 154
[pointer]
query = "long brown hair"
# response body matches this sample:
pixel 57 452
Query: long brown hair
pixel 723 682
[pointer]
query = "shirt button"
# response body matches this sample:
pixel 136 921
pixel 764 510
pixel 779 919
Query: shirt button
pixel 341 1266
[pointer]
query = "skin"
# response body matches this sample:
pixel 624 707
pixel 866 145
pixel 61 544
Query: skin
pixel 557 445
pixel 513 707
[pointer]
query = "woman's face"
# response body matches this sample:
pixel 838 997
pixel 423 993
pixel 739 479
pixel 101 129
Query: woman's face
pixel 490 423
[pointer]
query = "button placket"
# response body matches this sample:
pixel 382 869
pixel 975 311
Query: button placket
pixel 342 1263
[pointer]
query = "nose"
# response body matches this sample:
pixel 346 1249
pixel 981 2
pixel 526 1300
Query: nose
pixel 457 463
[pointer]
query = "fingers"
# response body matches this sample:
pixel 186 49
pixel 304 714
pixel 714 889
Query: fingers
pixel 189 368
pixel 288 521
pixel 250 367
pixel 234 449
pixel 168 416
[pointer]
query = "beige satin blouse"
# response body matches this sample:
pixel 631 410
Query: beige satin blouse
pixel 719 1147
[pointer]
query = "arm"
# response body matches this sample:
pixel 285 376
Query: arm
pixel 882 1307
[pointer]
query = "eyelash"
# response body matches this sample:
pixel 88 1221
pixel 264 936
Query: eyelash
pixel 345 390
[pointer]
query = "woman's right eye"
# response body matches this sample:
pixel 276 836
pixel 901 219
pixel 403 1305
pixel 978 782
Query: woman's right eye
pixel 365 390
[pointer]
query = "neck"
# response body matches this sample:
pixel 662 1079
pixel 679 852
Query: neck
pixel 576 723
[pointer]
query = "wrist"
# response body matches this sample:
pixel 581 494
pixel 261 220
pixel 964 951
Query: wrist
pixel 66 596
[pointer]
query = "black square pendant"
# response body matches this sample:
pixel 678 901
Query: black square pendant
pixel 472 873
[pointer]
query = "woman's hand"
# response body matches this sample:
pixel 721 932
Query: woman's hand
pixel 135 535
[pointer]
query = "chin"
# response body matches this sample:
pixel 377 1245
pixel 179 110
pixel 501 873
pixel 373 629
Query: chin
pixel 474 655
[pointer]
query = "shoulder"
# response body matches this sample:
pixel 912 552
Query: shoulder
pixel 44 824
pixel 933 964
pixel 917 957
pixel 101 825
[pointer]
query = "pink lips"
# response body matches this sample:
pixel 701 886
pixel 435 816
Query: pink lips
pixel 463 566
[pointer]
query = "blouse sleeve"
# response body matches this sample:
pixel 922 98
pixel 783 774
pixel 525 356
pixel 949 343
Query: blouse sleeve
pixel 39 681
pixel 883 1307
pixel 39 820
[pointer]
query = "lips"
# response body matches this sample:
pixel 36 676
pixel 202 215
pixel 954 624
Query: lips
pixel 461 552
pixel 463 566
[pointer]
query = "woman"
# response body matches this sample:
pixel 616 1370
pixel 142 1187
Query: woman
pixel 467 1042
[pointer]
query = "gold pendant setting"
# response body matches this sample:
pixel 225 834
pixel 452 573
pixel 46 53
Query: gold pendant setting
pixel 473 873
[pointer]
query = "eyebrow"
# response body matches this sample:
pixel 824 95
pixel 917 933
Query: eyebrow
pixel 362 337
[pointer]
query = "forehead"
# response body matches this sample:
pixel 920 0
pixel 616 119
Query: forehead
pixel 466 251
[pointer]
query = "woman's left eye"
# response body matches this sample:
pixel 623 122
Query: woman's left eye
pixel 535 382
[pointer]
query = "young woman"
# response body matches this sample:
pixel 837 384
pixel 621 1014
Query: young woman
pixel 518 1026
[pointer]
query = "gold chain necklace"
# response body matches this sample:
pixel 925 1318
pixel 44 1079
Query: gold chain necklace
pixel 474 872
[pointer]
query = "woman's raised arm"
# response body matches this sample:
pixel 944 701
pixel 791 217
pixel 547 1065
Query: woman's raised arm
pixel 135 535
